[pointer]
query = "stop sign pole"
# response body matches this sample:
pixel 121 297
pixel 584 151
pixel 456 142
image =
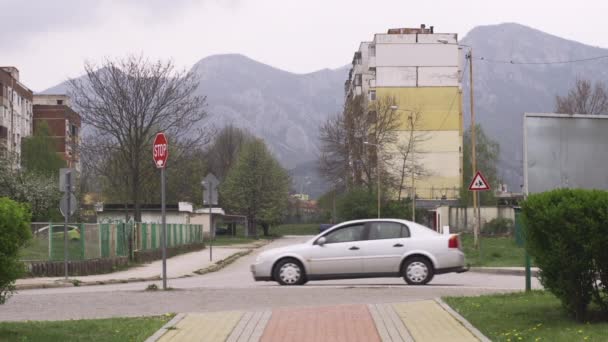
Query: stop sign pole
pixel 160 152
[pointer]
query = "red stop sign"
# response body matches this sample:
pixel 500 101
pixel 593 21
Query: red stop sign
pixel 160 150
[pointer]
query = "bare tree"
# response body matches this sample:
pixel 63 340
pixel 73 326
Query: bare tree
pixel 225 148
pixel 584 98
pixel 344 154
pixel 334 157
pixel 127 101
pixel 409 152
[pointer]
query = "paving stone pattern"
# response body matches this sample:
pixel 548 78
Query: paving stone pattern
pixel 412 321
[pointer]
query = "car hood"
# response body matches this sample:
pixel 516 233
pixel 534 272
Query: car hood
pixel 286 249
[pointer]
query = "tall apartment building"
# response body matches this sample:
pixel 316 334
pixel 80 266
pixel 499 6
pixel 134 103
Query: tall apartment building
pixel 64 124
pixel 421 70
pixel 15 112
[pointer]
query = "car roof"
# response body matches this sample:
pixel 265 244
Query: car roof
pixel 374 220
pixel 420 229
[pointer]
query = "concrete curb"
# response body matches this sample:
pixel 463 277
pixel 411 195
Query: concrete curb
pixel 462 320
pixel 158 334
pixel 504 271
pixel 218 265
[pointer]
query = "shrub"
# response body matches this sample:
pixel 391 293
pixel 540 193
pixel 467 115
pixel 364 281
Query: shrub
pixel 498 226
pixel 357 204
pixel 14 233
pixel 565 233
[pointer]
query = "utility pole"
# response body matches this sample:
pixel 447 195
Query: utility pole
pixel 378 172
pixel 476 223
pixel 413 168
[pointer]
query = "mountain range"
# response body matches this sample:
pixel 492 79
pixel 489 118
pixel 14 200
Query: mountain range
pixel 286 109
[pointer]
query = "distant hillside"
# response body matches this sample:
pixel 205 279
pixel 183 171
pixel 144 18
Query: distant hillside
pixel 286 109
pixel 503 92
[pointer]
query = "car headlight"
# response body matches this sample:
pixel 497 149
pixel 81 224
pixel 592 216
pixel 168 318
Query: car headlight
pixel 259 259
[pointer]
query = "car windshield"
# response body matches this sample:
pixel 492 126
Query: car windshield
pixel 351 233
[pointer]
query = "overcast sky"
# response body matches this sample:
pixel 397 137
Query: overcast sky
pixel 50 40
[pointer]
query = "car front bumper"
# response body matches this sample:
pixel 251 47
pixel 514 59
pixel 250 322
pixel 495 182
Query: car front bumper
pixel 256 276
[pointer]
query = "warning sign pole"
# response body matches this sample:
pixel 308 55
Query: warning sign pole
pixel 479 183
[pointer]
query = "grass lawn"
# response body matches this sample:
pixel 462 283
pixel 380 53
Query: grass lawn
pixel 221 240
pixel 100 330
pixel 276 231
pixel 495 252
pixel 38 247
pixel 296 229
pixel 534 316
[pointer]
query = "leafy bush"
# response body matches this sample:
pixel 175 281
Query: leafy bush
pixel 566 234
pixel 356 204
pixel 498 226
pixel 14 233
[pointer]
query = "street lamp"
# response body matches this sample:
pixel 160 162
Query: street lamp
pixel 477 224
pixel 377 169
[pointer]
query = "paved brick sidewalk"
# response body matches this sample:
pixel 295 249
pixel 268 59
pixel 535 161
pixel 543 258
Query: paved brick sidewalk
pixel 414 321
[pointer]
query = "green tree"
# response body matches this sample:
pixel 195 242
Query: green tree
pixel 358 203
pixel 257 187
pixel 39 152
pixel 488 152
pixel 14 233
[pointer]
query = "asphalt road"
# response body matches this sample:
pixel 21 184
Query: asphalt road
pixel 233 288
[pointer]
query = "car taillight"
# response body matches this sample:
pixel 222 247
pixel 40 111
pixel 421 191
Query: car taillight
pixel 453 242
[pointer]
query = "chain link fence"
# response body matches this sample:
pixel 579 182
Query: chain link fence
pixel 104 240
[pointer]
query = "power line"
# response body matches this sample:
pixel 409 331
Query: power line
pixel 498 61
pixel 445 117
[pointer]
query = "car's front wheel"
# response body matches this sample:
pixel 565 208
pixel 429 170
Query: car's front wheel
pixel 289 272
pixel 417 271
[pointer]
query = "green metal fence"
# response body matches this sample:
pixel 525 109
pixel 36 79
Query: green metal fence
pixel 104 240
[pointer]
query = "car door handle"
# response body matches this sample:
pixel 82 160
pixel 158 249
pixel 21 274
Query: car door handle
pixel 397 245
pixel 354 248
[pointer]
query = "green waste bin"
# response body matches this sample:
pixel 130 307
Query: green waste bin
pixel 519 228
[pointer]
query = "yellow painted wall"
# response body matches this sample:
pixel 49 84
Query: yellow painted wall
pixel 439 106
pixel 441 129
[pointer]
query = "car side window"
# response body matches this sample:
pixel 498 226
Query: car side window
pixel 387 230
pixel 346 234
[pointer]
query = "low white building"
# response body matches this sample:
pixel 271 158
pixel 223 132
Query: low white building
pixel 181 213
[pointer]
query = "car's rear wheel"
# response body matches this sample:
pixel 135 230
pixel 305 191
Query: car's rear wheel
pixel 289 272
pixel 417 271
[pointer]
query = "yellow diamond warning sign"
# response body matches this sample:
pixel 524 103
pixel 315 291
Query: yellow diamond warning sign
pixel 479 183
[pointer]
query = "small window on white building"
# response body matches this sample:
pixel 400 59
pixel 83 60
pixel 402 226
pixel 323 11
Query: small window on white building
pixel 372 95
pixel 59 102
pixel 358 80
pixel 372 50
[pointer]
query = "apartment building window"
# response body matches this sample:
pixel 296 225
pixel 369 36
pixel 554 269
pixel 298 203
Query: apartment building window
pixel 59 102
pixel 358 80
pixel 372 50
pixel 357 57
pixel 372 95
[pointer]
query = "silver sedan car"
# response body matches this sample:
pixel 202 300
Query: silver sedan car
pixel 364 249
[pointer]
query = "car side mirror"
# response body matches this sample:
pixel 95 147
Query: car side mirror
pixel 322 240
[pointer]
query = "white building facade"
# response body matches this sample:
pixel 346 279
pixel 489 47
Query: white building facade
pixel 421 70
pixel 16 112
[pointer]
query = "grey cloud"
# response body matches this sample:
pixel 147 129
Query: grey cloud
pixel 19 20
